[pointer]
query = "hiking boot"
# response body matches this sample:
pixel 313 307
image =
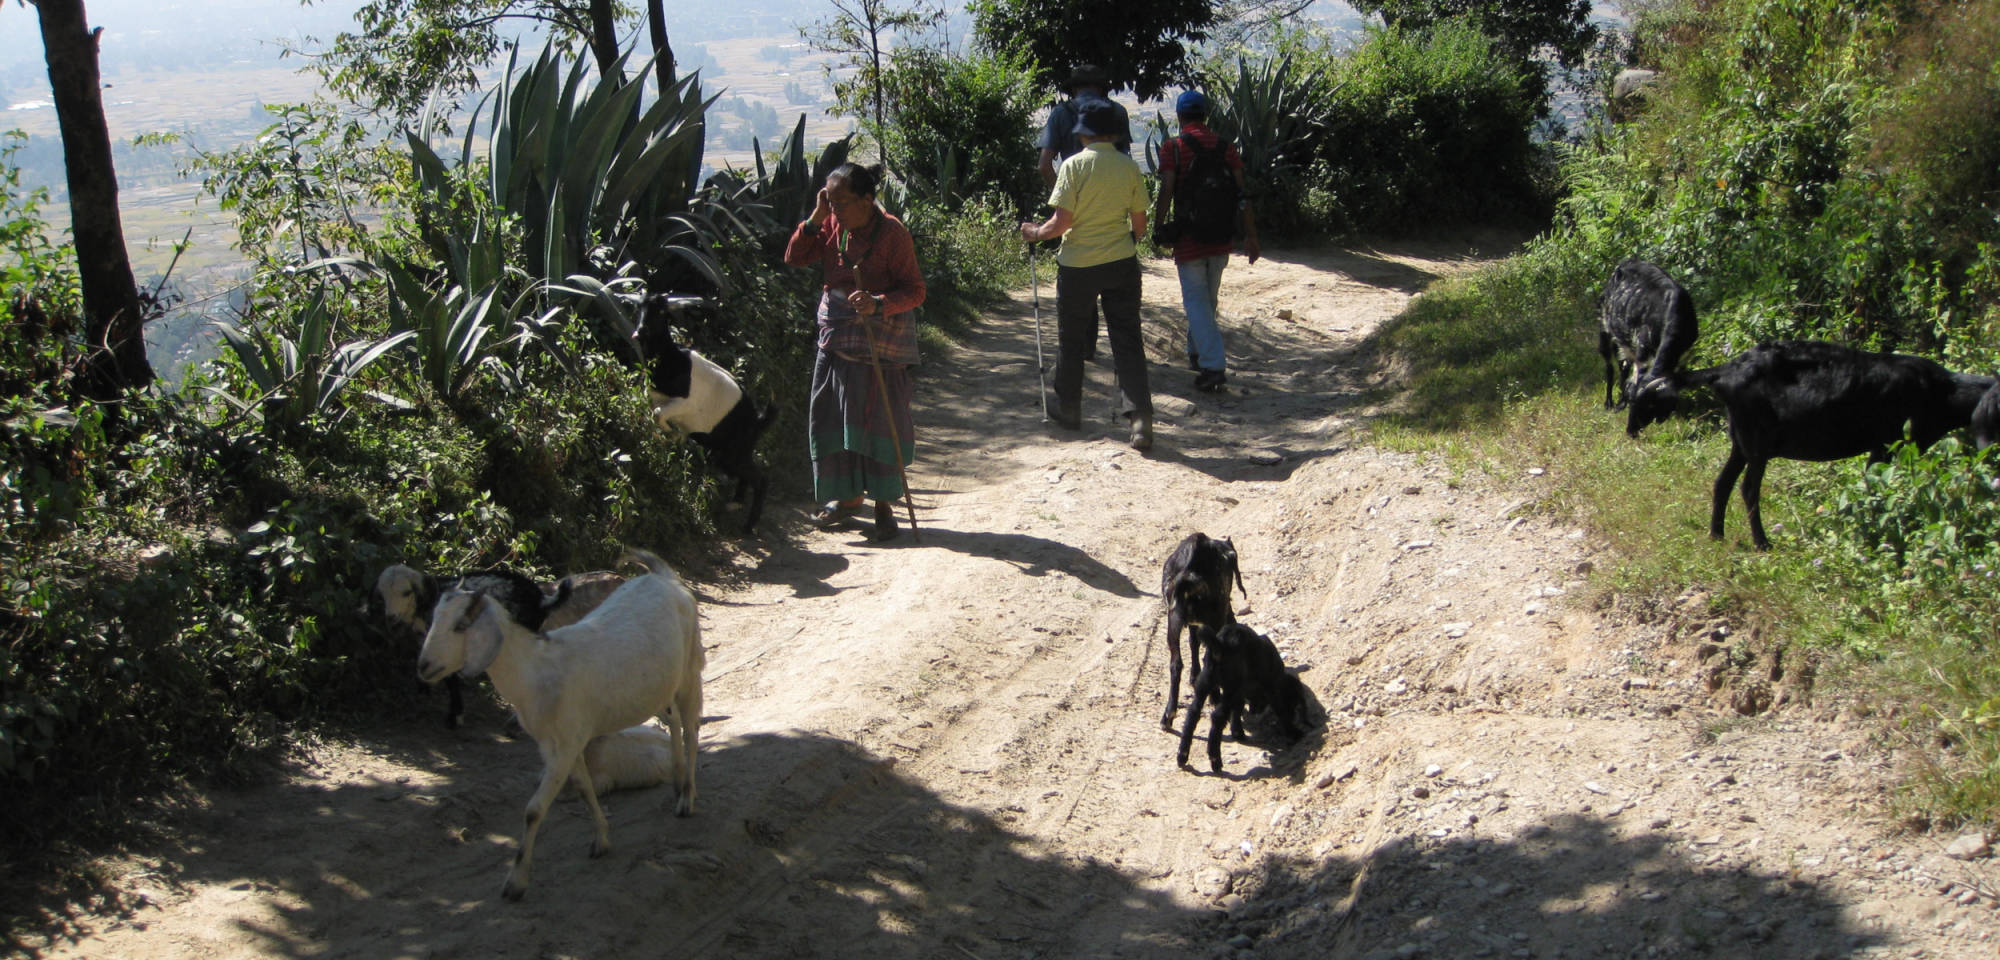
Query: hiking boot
pixel 1210 381
pixel 1142 433
pixel 1065 416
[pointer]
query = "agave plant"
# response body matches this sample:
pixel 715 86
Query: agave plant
pixel 1273 112
pixel 458 330
pixel 296 378
pixel 588 174
pixel 783 193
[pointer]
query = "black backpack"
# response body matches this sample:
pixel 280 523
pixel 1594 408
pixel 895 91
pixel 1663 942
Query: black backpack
pixel 1205 198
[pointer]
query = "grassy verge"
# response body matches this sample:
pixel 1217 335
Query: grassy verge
pixel 1885 571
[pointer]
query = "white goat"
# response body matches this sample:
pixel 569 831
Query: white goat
pixel 404 596
pixel 633 758
pixel 637 656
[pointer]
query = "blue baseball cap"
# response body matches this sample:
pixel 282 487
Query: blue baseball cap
pixel 1192 103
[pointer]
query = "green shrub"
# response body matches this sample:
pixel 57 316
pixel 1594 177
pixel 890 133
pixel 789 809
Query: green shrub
pixel 1798 189
pixel 970 256
pixel 1427 128
pixel 962 126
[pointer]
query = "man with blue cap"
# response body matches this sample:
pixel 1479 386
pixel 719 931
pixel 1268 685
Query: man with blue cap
pixel 1201 209
pixel 1100 211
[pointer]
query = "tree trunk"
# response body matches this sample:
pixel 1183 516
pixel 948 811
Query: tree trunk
pixel 604 40
pixel 875 60
pixel 656 25
pixel 116 352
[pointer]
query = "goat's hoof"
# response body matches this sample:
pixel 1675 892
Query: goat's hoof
pixel 513 892
pixel 685 808
pixel 599 848
pixel 1181 762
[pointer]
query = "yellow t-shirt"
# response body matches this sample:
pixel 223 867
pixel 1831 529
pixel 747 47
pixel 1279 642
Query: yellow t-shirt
pixel 1101 188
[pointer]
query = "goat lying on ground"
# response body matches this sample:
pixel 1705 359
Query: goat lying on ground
pixel 1195 584
pixel 1241 669
pixel 1648 322
pixel 636 657
pixel 636 757
pixel 693 395
pixel 405 596
pixel 1808 400
pixel 1986 418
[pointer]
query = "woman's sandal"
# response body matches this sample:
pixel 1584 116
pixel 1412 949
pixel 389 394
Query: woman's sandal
pixel 832 514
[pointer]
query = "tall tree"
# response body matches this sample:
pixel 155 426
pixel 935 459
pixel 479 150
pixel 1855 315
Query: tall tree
pixel 663 52
pixel 1143 46
pixel 407 50
pixel 857 31
pixel 116 357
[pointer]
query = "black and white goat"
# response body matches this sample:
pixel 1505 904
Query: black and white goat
pixel 1810 400
pixel 693 395
pixel 1646 321
pixel 1195 584
pixel 636 657
pixel 1241 670
pixel 404 597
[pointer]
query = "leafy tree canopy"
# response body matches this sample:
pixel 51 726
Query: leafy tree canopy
pixel 407 50
pixel 1523 27
pixel 1143 47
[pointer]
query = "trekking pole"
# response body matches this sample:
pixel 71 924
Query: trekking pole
pixel 1041 368
pixel 889 417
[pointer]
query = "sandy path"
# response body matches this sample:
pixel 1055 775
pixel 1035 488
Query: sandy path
pixel 951 748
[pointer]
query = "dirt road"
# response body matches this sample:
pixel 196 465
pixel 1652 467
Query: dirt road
pixel 951 749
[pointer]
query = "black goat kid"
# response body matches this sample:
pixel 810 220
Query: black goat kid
pixel 1809 400
pixel 1195 583
pixel 1647 322
pixel 1241 670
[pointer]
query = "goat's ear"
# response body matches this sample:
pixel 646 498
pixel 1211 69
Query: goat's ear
pixel 482 640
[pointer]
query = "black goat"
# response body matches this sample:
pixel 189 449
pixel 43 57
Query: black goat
pixel 1809 400
pixel 1242 670
pixel 1986 418
pixel 694 395
pixel 1647 321
pixel 1195 583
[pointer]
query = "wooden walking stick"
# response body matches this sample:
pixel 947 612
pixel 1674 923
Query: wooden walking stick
pixel 889 417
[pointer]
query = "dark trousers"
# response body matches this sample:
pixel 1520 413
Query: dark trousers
pixel 1078 292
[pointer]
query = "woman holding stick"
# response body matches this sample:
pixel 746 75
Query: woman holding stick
pixel 859 425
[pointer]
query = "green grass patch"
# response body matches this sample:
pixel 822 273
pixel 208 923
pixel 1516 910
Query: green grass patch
pixel 1886 569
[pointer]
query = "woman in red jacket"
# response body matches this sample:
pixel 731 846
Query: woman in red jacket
pixel 859 443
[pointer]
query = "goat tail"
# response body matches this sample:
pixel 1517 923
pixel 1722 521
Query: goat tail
pixel 1185 588
pixel 649 560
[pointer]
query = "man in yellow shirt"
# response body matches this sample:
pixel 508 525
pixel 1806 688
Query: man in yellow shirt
pixel 1100 209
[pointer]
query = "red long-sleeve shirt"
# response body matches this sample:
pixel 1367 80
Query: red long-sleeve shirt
pixel 879 259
